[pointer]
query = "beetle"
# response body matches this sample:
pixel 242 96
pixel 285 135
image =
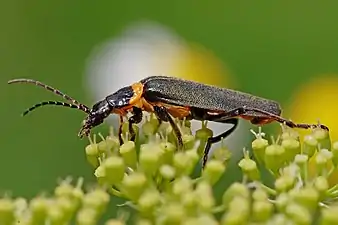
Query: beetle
pixel 169 97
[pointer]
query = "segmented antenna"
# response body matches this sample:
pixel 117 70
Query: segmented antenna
pixel 64 104
pixel 75 103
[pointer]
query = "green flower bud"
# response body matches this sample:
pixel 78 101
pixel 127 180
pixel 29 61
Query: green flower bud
pixel 173 213
pixel 150 158
pixel 323 138
pixel 188 141
pixel 204 196
pixel 321 162
pixel 96 199
pixel 202 135
pixel 100 174
pixel 282 201
pixel 86 216
pixel 148 201
pixel 190 202
pixel 307 197
pixel 67 207
pixel 289 133
pixel 128 153
pixel 221 154
pixel 298 214
pixel 292 148
pixel 335 153
pixel 310 145
pixel 167 172
pixel 192 154
pixel 114 169
pixel 322 185
pixel 235 190
pixel 168 150
pixel 329 215
pixel 7 211
pixel 274 157
pixel 183 164
pixel 249 167
pixel 115 222
pixel 182 186
pixel 150 126
pixel 213 171
pixel 133 185
pixel 55 215
pixel 239 211
pixel 284 183
pixel 65 189
pixel 279 219
pixel 259 145
pixel 259 195
pixel 302 163
pixel 262 210
pixel 38 207
pixel 92 154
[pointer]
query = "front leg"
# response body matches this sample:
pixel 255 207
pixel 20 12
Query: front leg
pixel 163 115
pixel 136 118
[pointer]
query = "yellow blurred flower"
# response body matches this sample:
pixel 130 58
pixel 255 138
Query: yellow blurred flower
pixel 317 100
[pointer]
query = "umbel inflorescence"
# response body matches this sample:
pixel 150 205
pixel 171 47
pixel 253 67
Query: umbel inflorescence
pixel 159 182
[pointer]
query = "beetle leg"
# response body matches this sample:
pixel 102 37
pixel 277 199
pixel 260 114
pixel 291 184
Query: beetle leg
pixel 136 118
pixel 243 110
pixel 120 130
pixel 218 138
pixel 163 115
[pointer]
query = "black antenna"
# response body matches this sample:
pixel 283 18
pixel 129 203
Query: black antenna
pixel 75 103
pixel 64 104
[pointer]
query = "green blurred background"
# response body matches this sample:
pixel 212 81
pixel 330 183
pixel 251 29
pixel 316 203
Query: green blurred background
pixel 270 47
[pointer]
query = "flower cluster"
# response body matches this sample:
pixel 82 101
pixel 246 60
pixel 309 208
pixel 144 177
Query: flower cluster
pixel 164 185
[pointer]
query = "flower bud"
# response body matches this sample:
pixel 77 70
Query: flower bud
pixel 322 185
pixel 204 196
pixel 168 150
pixel 213 171
pixel 235 190
pixel 128 153
pixel 182 185
pixel 323 138
pixel 65 189
pixel 150 158
pixel 329 215
pixel 221 154
pixel 282 201
pixel 307 197
pixel 285 183
pixel 133 185
pixel 96 199
pixel 292 148
pixel 238 213
pixel 249 167
pixel 86 216
pixel 298 214
pixel 173 213
pixel 38 207
pixel 148 201
pixel 334 151
pixel 115 222
pixel 7 211
pixel 55 215
pixel 310 145
pixel 188 141
pixel 259 145
pixel 114 169
pixel 202 135
pixel 92 154
pixel 167 172
pixel 150 126
pixel 259 195
pixel 261 210
pixel 274 157
pixel 183 164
